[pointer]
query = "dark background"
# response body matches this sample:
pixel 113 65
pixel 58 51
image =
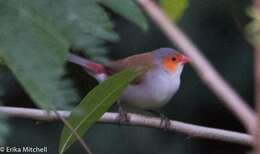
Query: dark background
pixel 217 28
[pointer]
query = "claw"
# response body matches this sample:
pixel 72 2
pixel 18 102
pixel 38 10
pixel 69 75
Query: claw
pixel 165 123
pixel 122 115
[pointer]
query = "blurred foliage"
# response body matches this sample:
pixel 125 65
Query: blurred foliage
pixel 94 105
pixel 1 61
pixel 174 8
pixel 4 129
pixel 36 37
pixel 2 91
pixel 253 28
pixel 128 9
pixel 27 46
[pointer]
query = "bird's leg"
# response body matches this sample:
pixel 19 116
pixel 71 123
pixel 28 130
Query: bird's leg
pixel 122 114
pixel 165 122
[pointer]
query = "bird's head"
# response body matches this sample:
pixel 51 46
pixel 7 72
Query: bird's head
pixel 170 60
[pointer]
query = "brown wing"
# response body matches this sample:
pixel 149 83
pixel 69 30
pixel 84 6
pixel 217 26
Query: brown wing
pixel 143 62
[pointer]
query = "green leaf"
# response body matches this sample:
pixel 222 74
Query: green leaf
pixel 174 8
pixel 127 9
pixel 92 107
pixel 35 37
pixel 83 22
pixel 35 52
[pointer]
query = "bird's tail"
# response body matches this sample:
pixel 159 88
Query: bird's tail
pixel 96 70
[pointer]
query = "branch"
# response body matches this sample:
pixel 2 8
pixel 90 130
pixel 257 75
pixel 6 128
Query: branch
pixel 257 80
pixel 257 97
pixel 205 70
pixel 138 120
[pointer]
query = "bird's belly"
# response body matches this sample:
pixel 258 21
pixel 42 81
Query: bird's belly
pixel 151 94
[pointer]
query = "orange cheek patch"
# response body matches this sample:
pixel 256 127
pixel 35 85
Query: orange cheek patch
pixel 169 65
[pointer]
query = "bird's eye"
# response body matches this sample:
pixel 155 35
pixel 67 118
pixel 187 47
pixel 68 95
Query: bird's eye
pixel 173 58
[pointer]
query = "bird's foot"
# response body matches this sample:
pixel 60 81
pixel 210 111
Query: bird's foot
pixel 122 116
pixel 165 122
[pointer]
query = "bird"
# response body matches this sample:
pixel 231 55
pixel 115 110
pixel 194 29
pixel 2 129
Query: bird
pixel 154 87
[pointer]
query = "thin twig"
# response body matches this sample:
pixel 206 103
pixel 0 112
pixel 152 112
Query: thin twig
pixel 205 70
pixel 79 138
pixel 139 120
pixel 257 98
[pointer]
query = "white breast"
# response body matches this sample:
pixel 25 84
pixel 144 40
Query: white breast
pixel 156 90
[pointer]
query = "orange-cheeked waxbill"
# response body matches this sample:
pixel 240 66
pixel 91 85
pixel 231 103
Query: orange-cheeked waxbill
pixel 157 84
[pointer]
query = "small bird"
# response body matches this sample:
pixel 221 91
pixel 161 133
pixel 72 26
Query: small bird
pixel 153 88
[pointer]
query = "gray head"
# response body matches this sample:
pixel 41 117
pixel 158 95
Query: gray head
pixel 170 60
pixel 163 52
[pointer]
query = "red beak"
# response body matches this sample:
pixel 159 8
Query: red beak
pixel 184 59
